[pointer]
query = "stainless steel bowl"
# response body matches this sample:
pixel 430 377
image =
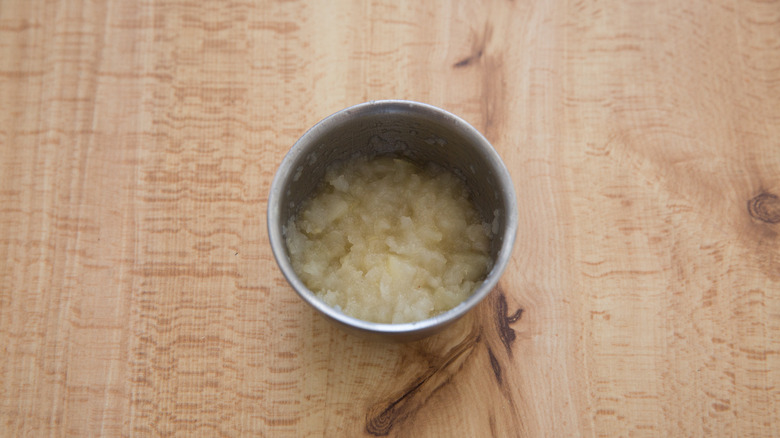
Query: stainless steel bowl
pixel 420 133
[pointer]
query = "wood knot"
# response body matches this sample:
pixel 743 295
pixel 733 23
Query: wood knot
pixel 384 416
pixel 381 424
pixel 765 207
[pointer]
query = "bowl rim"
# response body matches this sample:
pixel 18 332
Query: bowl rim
pixel 279 245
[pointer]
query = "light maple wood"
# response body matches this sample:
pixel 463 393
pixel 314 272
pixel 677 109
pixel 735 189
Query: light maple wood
pixel 139 296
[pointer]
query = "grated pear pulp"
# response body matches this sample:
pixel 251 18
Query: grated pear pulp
pixel 387 241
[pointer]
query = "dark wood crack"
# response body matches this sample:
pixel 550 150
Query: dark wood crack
pixel 496 367
pixel 465 62
pixel 503 321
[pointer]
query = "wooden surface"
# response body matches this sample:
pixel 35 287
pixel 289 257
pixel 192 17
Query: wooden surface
pixel 138 294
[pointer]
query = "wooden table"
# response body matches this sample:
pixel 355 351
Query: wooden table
pixel 139 296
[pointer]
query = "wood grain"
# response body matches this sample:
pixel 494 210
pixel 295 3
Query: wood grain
pixel 139 296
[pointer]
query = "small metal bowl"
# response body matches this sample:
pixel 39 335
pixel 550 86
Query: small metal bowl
pixel 420 133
